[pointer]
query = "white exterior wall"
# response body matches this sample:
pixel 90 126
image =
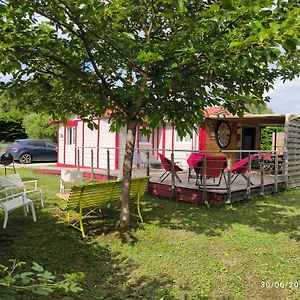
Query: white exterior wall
pixel 168 142
pixel 90 144
pixel 107 141
pixel 185 149
pixel 122 143
pixel 61 144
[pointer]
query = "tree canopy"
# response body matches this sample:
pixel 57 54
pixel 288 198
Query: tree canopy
pixel 146 61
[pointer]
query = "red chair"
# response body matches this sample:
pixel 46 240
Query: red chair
pixel 166 163
pixel 241 167
pixel 193 161
pixel 215 166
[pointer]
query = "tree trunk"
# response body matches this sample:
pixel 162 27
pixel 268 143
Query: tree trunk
pixel 127 171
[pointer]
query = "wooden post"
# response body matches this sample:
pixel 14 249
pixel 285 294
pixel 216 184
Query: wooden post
pixel 229 164
pixel 147 163
pixel 204 180
pixel 173 175
pixel 108 165
pixel 92 164
pixel 262 175
pixel 248 178
pixel 276 172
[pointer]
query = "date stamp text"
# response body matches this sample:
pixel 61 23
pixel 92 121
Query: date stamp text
pixel 280 284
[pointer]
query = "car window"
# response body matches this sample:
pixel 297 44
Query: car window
pixel 36 143
pixel 50 145
pixel 14 144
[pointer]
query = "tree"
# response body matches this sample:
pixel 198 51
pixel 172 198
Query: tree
pixel 37 127
pixel 146 61
pixel 259 109
pixel 11 126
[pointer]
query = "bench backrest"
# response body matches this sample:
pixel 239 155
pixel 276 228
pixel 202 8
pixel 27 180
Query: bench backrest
pixel 95 193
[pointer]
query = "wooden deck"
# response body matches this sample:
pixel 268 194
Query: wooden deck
pixel 216 196
pixel 189 192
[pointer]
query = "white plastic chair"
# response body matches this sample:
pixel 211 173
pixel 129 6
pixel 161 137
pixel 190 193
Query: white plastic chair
pixel 13 200
pixel 68 176
pixel 28 187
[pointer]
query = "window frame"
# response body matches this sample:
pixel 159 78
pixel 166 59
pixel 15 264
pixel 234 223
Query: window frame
pixel 71 135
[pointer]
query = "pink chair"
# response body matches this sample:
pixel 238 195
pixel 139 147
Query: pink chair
pixel 215 166
pixel 166 163
pixel 194 160
pixel 241 167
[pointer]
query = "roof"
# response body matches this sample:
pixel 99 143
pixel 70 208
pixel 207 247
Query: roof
pixel 251 119
pixel 216 111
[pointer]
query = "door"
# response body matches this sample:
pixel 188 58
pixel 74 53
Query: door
pixel 248 139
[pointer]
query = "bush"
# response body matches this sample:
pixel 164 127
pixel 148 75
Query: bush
pixel 267 136
pixel 11 127
pixel 37 127
pixel 18 277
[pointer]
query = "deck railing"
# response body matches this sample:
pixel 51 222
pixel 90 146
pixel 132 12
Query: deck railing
pixel 146 162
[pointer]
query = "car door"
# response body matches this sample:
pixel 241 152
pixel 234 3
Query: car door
pixel 38 150
pixel 51 149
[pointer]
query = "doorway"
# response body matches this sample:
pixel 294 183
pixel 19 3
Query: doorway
pixel 248 139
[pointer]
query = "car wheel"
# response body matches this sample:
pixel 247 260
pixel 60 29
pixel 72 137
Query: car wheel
pixel 25 158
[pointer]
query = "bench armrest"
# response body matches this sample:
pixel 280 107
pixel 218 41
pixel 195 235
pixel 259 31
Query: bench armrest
pixel 10 193
pixel 34 182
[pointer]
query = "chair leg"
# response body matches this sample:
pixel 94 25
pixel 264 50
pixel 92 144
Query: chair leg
pixel 177 177
pixel 246 178
pixel 42 199
pixel 162 176
pixel 226 184
pixel 139 208
pixel 26 210
pixel 33 211
pixel 235 176
pixel 162 179
pixel 5 219
pixel 80 222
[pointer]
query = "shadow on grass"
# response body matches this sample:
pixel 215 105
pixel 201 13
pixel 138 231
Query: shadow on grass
pixel 270 214
pixel 61 249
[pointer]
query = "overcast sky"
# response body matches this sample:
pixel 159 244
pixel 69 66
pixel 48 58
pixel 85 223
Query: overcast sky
pixel 285 97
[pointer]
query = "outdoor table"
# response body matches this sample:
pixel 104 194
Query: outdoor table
pixel 63 196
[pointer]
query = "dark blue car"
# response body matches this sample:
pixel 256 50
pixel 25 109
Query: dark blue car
pixel 27 151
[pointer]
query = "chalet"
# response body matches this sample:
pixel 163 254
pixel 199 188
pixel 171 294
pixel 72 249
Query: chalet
pixel 221 131
pixel 235 137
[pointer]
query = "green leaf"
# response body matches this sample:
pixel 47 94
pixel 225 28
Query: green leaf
pixel 181 6
pixel 129 35
pixel 235 44
pixel 42 290
pixel 36 267
pixel 262 35
pixel 227 4
pixel 46 276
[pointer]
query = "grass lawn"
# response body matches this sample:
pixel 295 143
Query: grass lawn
pixel 181 252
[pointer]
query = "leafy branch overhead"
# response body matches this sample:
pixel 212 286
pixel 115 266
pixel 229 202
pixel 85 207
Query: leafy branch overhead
pixel 147 60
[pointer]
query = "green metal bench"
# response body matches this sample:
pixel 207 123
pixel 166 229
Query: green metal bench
pixel 92 195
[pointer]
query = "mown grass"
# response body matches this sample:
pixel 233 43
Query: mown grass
pixel 181 252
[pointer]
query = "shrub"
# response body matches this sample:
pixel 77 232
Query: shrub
pixel 18 277
pixel 37 127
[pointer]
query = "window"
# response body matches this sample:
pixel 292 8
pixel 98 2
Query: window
pixel 36 143
pixel 185 139
pixel 71 135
